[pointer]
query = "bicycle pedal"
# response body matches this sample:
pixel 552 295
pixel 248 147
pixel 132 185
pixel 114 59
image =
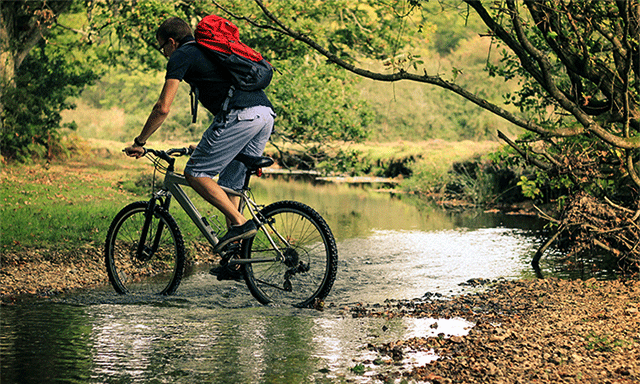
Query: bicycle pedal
pixel 230 251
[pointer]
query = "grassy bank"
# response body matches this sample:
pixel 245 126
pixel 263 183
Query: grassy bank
pixel 428 162
pixel 63 205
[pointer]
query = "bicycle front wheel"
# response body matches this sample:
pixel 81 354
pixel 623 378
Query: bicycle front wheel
pixel 159 267
pixel 301 269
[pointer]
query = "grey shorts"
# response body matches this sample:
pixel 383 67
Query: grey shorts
pixel 244 131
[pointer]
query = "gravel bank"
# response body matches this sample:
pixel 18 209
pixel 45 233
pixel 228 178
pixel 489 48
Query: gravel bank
pixel 540 331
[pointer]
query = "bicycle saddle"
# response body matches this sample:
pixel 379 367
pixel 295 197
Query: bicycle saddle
pixel 254 162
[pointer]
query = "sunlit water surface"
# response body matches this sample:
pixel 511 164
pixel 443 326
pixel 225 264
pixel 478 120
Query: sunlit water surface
pixel 214 332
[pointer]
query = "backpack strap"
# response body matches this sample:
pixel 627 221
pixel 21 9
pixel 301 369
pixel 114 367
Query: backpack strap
pixel 193 94
pixel 225 104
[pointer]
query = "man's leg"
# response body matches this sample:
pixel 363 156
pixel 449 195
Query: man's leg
pixel 235 200
pixel 215 152
pixel 211 192
pixel 240 227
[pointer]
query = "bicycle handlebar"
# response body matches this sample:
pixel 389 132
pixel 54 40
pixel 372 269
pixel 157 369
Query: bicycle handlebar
pixel 176 152
pixel 169 152
pixel 167 155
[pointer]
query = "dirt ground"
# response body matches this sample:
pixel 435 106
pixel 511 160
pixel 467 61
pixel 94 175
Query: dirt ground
pixel 45 272
pixel 534 331
pixel 538 331
pixel 42 272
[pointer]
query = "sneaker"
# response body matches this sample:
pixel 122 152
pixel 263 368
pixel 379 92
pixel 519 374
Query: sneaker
pixel 237 232
pixel 224 273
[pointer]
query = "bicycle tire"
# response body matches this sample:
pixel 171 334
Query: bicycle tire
pixel 162 272
pixel 311 257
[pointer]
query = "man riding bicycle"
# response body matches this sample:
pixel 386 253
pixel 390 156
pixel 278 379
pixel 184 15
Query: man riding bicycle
pixel 245 128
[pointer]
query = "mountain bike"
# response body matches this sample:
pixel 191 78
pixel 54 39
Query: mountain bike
pixel 292 260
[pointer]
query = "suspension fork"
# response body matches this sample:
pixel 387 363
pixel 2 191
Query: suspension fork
pixel 143 252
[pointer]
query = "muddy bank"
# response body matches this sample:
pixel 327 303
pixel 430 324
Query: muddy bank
pixel 526 331
pixel 45 272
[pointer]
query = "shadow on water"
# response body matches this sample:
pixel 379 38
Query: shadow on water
pixel 212 331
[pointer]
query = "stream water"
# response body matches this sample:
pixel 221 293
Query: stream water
pixel 214 332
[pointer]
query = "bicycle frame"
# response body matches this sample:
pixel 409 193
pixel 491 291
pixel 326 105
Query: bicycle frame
pixel 172 188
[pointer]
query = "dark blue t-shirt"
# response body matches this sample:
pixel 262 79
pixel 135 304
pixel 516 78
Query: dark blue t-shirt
pixel 191 64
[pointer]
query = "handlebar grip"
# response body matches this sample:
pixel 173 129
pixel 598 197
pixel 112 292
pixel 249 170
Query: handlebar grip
pixel 179 151
pixel 144 151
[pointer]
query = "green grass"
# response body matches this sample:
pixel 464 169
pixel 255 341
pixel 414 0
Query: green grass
pixel 429 161
pixel 64 205
pixel 602 343
pixel 70 205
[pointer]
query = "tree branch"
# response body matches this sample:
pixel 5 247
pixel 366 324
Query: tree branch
pixel 524 154
pixel 32 40
pixel 549 84
pixel 522 47
pixel 536 258
pixel 545 66
pixel 78 31
pixel 248 20
pixel 403 75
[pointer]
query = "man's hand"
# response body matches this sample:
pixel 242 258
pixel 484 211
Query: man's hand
pixel 134 151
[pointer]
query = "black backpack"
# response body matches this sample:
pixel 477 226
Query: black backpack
pixel 249 71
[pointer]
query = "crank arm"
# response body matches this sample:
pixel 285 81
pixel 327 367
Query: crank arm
pixel 251 261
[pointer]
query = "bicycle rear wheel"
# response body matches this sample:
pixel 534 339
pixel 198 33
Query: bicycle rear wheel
pixel 159 269
pixel 310 256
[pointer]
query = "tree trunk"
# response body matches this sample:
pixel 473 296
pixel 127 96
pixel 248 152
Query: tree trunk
pixel 7 62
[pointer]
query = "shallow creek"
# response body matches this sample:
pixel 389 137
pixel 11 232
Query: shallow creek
pixel 212 331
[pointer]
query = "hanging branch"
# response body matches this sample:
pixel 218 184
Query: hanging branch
pixel 525 154
pixel 535 262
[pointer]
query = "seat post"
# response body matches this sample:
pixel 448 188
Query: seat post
pixel 247 177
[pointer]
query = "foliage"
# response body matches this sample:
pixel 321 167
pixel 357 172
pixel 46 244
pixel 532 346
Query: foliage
pixel 132 94
pixel 316 107
pixel 358 369
pixel 345 161
pixel 410 111
pixel 31 118
pixel 529 188
pixel 574 61
pixel 454 24
pixel 315 104
pixel 602 94
pixel 576 64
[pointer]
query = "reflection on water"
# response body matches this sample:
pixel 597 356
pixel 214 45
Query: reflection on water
pixel 147 343
pixel 355 212
pixel 214 331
